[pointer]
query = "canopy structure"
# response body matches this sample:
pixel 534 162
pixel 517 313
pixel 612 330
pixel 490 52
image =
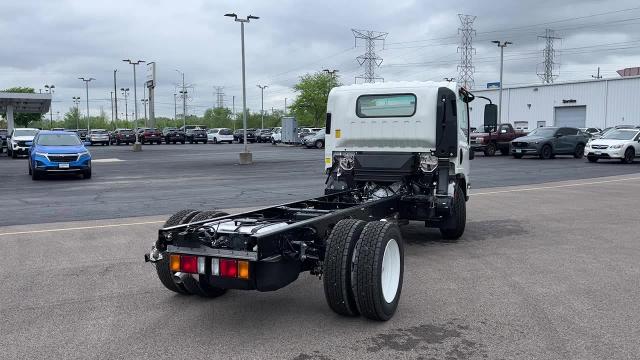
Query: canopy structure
pixel 11 103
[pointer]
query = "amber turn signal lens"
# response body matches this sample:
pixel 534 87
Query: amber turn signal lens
pixel 174 263
pixel 243 269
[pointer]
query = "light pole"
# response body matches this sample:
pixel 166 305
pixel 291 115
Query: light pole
pixel 501 45
pixel 125 93
pixel 245 157
pixel 86 85
pixel 49 89
pixel 115 94
pixel 145 101
pixel 262 87
pixel 183 92
pixel 135 97
pixel 76 101
pixel 175 107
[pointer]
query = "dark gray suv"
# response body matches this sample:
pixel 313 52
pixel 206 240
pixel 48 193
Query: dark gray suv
pixel 546 142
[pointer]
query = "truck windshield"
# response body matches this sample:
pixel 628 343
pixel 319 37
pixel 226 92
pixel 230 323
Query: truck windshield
pixel 386 105
pixel 58 140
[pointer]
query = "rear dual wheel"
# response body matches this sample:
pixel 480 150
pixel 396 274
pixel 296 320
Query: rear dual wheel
pixel 363 268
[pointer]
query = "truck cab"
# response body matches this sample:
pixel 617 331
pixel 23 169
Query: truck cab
pixel 404 137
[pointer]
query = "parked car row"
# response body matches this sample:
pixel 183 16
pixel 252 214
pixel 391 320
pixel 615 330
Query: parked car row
pixel 621 142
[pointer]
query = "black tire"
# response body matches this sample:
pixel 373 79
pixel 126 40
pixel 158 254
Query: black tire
pixel 14 155
pixel 592 159
pixel 517 156
pixel 36 175
pixel 367 270
pixel 453 228
pixel 202 286
pixel 629 154
pixel 273 142
pixel 159 142
pixel 337 266
pixel 319 144
pixel 206 215
pixel 490 150
pixel 579 151
pixel 118 142
pixel 30 167
pixel 162 266
pixel 87 174
pixel 546 152
pixel 182 142
pixel 215 140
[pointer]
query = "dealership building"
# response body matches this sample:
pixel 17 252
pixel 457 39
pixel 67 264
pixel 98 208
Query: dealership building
pixel 597 103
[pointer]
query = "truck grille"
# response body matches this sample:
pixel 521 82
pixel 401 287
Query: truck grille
pixel 63 157
pixel 520 144
pixel 599 147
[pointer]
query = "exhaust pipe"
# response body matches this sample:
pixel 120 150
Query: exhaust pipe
pixel 179 277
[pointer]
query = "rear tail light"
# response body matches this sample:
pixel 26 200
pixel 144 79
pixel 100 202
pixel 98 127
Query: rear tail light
pixel 215 267
pixel 243 269
pixel 189 264
pixel 228 268
pixel 174 263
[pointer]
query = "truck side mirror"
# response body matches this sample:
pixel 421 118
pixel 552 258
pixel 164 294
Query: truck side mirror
pixel 490 115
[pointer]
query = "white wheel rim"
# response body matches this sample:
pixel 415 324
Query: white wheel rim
pixel 390 271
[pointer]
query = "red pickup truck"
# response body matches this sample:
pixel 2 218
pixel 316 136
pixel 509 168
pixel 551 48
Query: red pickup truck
pixel 491 140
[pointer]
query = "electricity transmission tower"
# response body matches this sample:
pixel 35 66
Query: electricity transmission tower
pixel 466 50
pixel 219 97
pixel 548 65
pixel 369 59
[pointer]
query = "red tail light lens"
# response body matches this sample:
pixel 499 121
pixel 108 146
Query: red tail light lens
pixel 228 268
pixel 189 264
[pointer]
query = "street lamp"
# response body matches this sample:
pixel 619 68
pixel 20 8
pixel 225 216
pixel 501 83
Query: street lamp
pixel 49 90
pixel 76 101
pixel 86 84
pixel 501 45
pixel 245 157
pixel 262 87
pixel 135 97
pixel 125 93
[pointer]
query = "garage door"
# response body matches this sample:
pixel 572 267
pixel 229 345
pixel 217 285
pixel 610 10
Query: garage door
pixel 571 116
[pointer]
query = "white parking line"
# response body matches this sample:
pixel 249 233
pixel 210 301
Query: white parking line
pixel 108 160
pixel 81 228
pixel 555 186
pixel 162 221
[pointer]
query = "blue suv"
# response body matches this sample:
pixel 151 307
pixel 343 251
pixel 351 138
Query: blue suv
pixel 58 152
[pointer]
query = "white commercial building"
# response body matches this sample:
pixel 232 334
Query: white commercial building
pixel 591 103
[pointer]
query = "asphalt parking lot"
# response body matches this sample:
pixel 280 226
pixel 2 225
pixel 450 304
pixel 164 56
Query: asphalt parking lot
pixel 165 178
pixel 547 268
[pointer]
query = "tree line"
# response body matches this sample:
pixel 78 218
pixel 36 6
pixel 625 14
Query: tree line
pixel 309 108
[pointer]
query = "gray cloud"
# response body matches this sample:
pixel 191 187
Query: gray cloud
pixel 48 42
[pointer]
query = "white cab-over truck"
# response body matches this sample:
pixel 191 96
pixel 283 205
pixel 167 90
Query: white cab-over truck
pixel 395 152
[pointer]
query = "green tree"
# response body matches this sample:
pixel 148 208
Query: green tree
pixel 311 103
pixel 24 119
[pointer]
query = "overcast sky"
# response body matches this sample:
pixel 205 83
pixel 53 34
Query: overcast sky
pixel 55 42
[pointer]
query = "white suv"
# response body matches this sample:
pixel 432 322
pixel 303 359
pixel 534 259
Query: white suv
pixel 220 135
pixel 622 144
pixel 17 141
